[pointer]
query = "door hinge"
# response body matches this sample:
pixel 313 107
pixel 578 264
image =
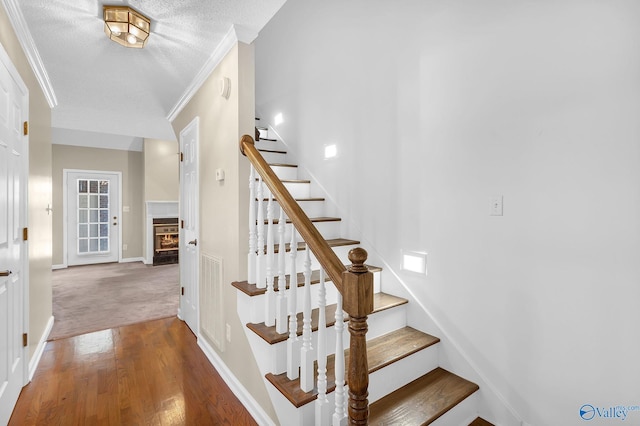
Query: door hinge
pixel 26 128
pixel 25 234
pixel 181 156
pixel 182 224
pixel 182 291
pixel 25 339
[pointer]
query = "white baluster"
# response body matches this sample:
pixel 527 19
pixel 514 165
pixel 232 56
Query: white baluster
pixel 261 282
pixel 322 403
pixel 339 414
pixel 293 344
pixel 251 256
pixel 306 353
pixel 281 300
pixel 270 299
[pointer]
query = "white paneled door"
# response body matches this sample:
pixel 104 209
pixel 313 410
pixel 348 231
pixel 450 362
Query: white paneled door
pixel 189 205
pixel 14 165
pixel 93 217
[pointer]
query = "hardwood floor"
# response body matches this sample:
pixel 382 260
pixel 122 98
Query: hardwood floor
pixel 151 373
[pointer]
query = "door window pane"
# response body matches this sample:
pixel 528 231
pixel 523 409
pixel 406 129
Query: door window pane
pixel 93 216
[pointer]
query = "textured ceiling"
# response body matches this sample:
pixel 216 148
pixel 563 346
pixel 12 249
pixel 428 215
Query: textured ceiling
pixel 103 87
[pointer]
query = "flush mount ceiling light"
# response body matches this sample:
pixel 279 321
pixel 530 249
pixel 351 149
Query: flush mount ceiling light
pixel 125 26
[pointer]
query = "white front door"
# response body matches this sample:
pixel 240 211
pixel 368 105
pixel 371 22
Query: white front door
pixel 14 163
pixel 189 205
pixel 93 217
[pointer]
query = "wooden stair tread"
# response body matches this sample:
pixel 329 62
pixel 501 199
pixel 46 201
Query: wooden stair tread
pixel 293 181
pixel 253 290
pixel 381 351
pixel 422 401
pixel 312 219
pixel 298 199
pixel 381 302
pixel 282 165
pixel 480 422
pixel 276 151
pixel 334 242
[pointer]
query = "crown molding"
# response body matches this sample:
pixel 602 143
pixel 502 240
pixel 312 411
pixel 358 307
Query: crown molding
pixel 234 35
pixel 29 47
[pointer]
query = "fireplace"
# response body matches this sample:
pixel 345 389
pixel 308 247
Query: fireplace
pixel 165 241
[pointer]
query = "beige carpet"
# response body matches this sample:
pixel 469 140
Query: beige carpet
pixel 96 297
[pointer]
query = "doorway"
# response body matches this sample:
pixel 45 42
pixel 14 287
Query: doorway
pixel 92 212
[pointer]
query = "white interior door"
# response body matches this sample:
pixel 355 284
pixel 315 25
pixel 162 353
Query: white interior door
pixel 189 205
pixel 93 217
pixel 14 165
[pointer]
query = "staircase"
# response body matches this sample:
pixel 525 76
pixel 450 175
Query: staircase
pixel 297 353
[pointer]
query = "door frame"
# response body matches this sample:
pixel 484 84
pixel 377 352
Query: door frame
pixel 65 195
pixel 195 124
pixel 7 63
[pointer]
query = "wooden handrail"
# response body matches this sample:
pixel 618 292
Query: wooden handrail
pixel 355 284
pixel 327 258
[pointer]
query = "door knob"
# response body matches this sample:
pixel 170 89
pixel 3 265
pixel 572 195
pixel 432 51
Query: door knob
pixel 5 273
pixel 194 242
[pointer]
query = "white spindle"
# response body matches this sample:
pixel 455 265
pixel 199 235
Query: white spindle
pixel 281 300
pixel 339 414
pixel 322 403
pixel 306 353
pixel 251 256
pixel 293 344
pixel 270 300
pixel 261 282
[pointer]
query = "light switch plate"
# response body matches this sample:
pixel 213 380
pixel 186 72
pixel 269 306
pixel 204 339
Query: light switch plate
pixel 496 205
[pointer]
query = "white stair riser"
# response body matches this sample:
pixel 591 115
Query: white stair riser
pixel 274 157
pixel 342 252
pixel 285 172
pixel 462 414
pixel 398 374
pixel 386 321
pixel 257 303
pixel 311 208
pixel 296 189
pixel 328 230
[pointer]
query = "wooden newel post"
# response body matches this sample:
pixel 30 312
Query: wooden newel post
pixel 357 286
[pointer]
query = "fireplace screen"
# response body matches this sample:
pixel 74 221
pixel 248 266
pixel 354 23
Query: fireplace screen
pixel 165 241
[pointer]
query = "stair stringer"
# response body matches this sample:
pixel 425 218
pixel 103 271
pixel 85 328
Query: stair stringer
pixel 492 404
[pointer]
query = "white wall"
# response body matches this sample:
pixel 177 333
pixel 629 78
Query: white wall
pixel 437 106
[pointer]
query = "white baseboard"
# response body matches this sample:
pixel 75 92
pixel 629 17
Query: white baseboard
pixel 61 266
pixel 252 406
pixel 132 259
pixel 35 359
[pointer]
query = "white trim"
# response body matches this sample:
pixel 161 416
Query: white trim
pixel 234 35
pixel 37 355
pixel 61 266
pixel 30 50
pixel 65 173
pixel 252 406
pixel 132 259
